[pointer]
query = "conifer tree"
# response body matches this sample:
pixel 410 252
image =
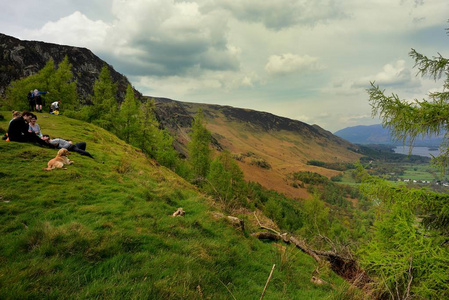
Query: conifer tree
pixel 413 119
pixel 226 180
pixel 199 151
pixel 104 108
pixel 63 87
pixel 407 246
pixel 152 140
pixel 57 82
pixel 129 117
pixel 46 75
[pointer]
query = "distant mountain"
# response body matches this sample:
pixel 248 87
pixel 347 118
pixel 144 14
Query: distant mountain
pixel 377 134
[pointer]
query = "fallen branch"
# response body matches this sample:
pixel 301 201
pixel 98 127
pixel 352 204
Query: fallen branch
pixel 268 281
pixel 346 267
pixel 263 227
pixel 303 247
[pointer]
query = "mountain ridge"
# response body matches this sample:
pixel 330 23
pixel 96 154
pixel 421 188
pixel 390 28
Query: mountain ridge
pixel 377 134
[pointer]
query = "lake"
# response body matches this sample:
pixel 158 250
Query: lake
pixel 422 151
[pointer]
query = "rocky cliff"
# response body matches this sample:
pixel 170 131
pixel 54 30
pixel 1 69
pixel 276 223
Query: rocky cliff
pixel 23 58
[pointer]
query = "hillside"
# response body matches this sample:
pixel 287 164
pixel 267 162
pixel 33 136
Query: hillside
pixel 269 148
pixel 377 134
pixel 23 58
pixel 103 229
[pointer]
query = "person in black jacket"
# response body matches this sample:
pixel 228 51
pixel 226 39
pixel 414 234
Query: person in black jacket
pixel 31 101
pixel 18 131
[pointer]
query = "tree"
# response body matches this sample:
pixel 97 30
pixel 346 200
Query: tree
pixel 199 151
pixel 104 104
pixel 57 81
pixel 407 246
pixel 155 142
pixel 62 86
pixel 226 181
pixel 129 116
pixel 409 120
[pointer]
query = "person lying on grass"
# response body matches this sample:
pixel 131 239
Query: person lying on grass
pixel 61 143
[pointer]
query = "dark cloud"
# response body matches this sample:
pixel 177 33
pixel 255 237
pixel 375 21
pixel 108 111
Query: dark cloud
pixel 280 14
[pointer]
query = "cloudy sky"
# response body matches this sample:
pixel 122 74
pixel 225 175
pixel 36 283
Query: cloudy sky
pixel 309 60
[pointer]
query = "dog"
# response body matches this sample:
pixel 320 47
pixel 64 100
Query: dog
pixel 59 161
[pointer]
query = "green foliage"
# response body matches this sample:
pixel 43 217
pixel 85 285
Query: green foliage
pixel 287 214
pixel 310 177
pixel 155 142
pixel 62 87
pixel 104 104
pixel 225 179
pixel 316 216
pixel 58 82
pixel 333 166
pixel 329 191
pixel 409 120
pixel 406 248
pixel 128 126
pixel 199 150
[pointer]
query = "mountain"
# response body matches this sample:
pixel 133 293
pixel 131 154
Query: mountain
pixel 377 134
pixel 23 58
pixel 268 148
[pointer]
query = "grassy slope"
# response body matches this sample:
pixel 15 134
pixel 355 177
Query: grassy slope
pixel 104 230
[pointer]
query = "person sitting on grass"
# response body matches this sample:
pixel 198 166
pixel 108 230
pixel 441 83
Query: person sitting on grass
pixel 61 143
pixel 34 127
pixel 18 131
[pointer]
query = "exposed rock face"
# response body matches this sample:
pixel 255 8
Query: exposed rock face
pixel 23 58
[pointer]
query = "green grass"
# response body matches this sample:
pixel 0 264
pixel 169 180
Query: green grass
pixel 421 172
pixel 103 229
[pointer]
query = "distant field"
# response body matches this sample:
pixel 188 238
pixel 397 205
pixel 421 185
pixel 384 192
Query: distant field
pixel 422 172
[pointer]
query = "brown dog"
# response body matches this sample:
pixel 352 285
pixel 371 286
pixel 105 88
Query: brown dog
pixel 59 161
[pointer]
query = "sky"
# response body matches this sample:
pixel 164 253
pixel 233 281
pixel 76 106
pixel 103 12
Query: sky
pixel 308 60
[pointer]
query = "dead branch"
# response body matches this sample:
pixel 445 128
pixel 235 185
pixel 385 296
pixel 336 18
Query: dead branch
pixel 264 227
pixel 410 278
pixel 268 281
pixel 303 247
pixel 227 289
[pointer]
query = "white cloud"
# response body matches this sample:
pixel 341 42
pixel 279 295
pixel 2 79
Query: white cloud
pixel 395 74
pixel 75 29
pixel 291 63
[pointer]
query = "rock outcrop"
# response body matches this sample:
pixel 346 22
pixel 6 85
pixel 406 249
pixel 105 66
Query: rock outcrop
pixel 24 58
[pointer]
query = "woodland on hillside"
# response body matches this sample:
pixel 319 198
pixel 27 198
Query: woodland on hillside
pixel 388 241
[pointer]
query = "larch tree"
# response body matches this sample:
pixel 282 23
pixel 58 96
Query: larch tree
pixel 129 117
pixel 407 247
pixel 408 120
pixel 104 104
pixel 198 147
pixel 63 87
